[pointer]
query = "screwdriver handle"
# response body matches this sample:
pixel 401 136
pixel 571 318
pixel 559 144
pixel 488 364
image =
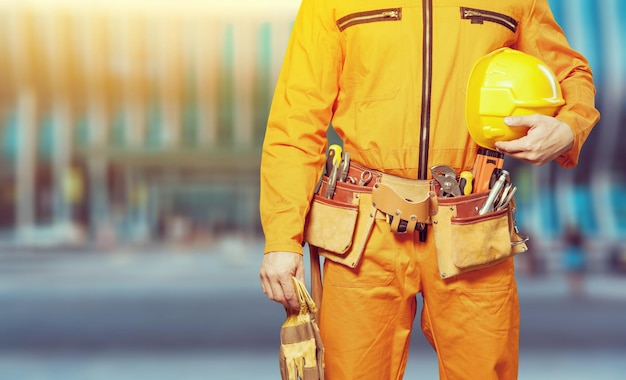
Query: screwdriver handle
pixel 466 179
pixel 334 157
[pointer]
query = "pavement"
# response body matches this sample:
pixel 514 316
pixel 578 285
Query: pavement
pixel 167 312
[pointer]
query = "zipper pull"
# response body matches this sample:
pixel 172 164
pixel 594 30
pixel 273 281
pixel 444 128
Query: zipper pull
pixel 474 16
pixel 391 14
pixel 471 13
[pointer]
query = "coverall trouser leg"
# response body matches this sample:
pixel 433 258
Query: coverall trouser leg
pixel 367 313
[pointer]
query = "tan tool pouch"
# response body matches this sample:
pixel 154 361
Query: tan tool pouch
pixel 340 227
pixel 467 241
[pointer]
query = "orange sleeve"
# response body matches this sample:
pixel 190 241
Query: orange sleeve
pixel 541 36
pixel 293 152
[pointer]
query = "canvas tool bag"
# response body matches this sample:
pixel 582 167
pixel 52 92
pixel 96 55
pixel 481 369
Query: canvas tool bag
pixel 301 348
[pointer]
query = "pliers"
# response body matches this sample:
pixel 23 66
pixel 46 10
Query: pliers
pixel 446 176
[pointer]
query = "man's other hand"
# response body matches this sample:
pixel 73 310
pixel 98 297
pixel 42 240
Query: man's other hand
pixel 276 271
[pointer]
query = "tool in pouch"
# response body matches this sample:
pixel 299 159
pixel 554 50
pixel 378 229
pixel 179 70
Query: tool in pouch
pixel 476 230
pixel 446 176
pixel 466 182
pixel 333 162
pixel 500 194
pixel 487 165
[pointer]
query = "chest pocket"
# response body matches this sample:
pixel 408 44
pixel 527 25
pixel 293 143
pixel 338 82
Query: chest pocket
pixel 480 16
pixel 377 15
pixel 373 41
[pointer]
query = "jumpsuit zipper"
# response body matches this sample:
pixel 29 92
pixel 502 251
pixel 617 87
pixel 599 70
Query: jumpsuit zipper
pixel 427 61
pixel 478 16
pixel 427 73
pixel 390 14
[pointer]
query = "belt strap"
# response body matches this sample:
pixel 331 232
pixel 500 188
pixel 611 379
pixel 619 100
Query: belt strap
pixel 316 280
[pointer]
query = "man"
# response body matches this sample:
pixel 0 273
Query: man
pixel 391 78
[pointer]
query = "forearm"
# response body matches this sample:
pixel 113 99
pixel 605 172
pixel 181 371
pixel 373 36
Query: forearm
pixel 579 113
pixel 542 37
pixel 295 140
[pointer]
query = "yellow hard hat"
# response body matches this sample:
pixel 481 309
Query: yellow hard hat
pixel 503 83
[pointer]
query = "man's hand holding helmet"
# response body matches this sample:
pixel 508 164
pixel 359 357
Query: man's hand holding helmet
pixel 547 138
pixel 511 100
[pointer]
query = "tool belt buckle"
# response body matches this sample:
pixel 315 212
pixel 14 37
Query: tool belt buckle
pixel 403 215
pixel 403 226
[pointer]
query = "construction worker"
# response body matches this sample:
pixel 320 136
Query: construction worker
pixel 391 79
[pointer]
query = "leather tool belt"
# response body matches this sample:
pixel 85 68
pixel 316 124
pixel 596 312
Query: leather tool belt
pixel 466 240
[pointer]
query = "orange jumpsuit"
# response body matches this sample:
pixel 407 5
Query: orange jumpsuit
pixel 391 77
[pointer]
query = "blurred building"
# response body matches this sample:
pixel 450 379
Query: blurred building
pixel 121 117
pixel 137 120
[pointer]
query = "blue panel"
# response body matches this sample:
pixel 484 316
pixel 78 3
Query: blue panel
pixel 189 117
pixel 621 32
pixel 118 135
pixel 557 9
pixel 226 85
pixel 264 88
pixel 45 139
pixel 549 216
pixel 593 46
pixel 154 124
pixel 584 212
pixel 81 134
pixel 190 123
pixel 618 200
pixel 584 33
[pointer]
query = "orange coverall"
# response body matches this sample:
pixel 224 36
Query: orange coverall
pixel 391 77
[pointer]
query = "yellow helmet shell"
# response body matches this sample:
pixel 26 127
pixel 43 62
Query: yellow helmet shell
pixel 508 82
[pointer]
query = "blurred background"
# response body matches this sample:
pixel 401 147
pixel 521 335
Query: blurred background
pixel 130 138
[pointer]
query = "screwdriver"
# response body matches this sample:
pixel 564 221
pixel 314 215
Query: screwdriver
pixel 466 179
pixel 334 158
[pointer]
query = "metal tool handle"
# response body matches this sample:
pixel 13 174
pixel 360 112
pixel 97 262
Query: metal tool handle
pixel 493 194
